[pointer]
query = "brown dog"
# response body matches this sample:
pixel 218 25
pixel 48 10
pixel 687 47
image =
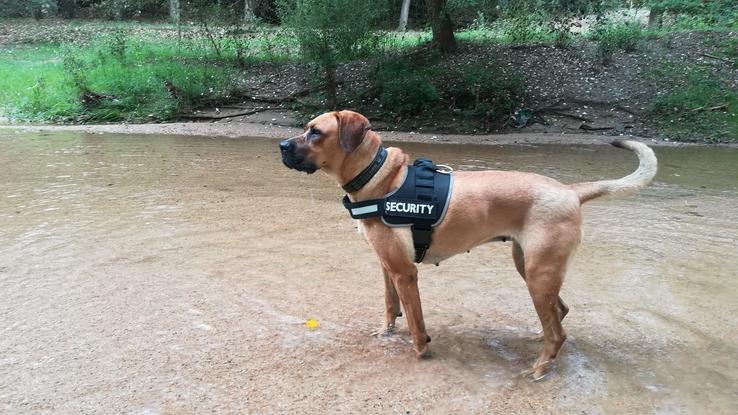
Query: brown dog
pixel 540 215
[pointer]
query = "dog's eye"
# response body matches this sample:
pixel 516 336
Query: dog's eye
pixel 313 134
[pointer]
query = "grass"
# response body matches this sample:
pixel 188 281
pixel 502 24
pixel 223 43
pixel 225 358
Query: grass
pixel 701 107
pixel 33 82
pixel 110 80
pixel 131 74
pixel 147 72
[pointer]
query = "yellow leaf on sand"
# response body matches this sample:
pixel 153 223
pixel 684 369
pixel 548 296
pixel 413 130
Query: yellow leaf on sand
pixel 312 324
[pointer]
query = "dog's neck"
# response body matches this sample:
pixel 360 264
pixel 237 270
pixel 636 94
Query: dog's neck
pixel 359 159
pixel 384 181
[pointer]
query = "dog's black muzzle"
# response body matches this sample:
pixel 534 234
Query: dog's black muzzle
pixel 293 160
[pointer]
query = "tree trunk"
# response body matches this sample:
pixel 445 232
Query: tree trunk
pixel 443 28
pixel 403 15
pixel 174 11
pixel 330 86
pixel 654 16
pixel 248 11
pixel 67 8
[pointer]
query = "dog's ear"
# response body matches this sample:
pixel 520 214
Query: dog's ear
pixel 352 128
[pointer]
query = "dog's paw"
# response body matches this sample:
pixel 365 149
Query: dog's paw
pixel 388 331
pixel 537 336
pixel 424 354
pixel 538 372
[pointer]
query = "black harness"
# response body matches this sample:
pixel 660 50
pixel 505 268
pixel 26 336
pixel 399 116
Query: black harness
pixel 420 202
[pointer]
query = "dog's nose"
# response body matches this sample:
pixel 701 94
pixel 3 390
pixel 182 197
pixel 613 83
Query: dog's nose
pixel 284 145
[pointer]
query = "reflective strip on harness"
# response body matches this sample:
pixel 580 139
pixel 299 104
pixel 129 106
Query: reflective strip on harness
pixel 420 202
pixel 364 210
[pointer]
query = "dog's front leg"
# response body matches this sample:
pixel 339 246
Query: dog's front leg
pixel 395 251
pixel 406 284
pixel 391 304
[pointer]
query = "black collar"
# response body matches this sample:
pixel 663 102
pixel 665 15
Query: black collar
pixel 363 178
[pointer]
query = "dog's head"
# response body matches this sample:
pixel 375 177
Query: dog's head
pixel 327 141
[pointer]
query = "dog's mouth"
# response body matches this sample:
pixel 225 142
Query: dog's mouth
pixel 299 164
pixel 293 160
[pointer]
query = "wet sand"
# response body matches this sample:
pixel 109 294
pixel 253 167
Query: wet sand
pixel 280 128
pixel 169 274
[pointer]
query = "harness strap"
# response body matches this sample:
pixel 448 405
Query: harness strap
pixel 422 229
pixel 420 186
pixel 363 210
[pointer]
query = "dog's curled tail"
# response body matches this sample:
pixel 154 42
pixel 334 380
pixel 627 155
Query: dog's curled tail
pixel 626 185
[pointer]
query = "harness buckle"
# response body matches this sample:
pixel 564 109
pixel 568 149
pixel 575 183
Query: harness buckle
pixel 444 169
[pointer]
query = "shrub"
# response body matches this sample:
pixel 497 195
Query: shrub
pixel 521 23
pixel 107 82
pixel 701 103
pixel 27 8
pixel 696 14
pixel 331 31
pixel 128 9
pixel 611 37
pixel 466 13
pixel 405 89
pixel 486 91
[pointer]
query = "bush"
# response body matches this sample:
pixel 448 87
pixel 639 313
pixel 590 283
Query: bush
pixel 611 37
pixel 119 79
pixel 331 31
pixel 114 79
pixel 405 89
pixel 701 103
pixel 486 91
pixel 27 8
pixel 483 94
pixel 697 14
pixel 467 12
pixel 129 9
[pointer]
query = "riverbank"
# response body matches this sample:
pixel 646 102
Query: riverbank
pixel 667 83
pixel 263 130
pixel 253 129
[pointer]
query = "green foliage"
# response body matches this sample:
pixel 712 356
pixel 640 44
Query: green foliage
pixel 611 37
pixel 487 91
pixel 467 12
pixel 27 8
pixel 522 23
pixel 128 9
pixel 108 82
pixel 730 49
pixel 331 31
pixel 697 14
pixel 483 92
pixel 405 88
pixel 33 85
pixel 700 105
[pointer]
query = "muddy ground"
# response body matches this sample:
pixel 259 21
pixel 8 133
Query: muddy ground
pixel 174 274
pixel 279 125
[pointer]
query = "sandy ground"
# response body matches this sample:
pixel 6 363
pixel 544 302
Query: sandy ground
pixel 174 275
pixel 263 128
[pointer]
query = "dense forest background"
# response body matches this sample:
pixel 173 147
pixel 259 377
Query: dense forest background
pixel 663 68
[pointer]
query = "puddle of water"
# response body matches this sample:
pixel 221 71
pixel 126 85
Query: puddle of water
pixel 222 253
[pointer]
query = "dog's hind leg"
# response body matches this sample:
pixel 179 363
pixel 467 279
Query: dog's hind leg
pixel 545 266
pixel 519 259
pixel 391 304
